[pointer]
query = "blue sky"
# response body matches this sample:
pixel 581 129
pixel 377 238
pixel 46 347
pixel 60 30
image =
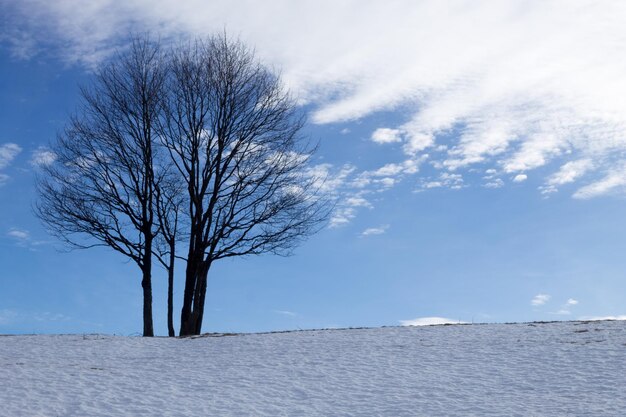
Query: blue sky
pixel 476 151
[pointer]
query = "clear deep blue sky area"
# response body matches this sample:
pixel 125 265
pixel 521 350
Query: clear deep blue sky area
pixel 476 152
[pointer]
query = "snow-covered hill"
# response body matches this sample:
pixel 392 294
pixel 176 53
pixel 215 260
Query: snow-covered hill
pixel 550 369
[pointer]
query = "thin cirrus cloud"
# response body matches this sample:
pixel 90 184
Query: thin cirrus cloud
pixel 8 152
pixel 24 239
pixel 373 231
pixel 522 84
pixel 285 313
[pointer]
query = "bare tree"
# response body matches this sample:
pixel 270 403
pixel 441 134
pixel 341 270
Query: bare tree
pixel 209 140
pixel 233 133
pixel 103 183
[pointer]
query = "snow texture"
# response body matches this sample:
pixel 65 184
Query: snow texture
pixel 550 369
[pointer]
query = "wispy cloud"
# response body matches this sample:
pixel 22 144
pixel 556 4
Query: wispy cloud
pixel 42 156
pixel 352 188
pixel 429 321
pixel 521 85
pixel 18 234
pixel 444 180
pixel 372 231
pixel 567 173
pixel 540 299
pixel 8 152
pixel 285 313
pixel 612 181
pixel 357 201
pixel 23 238
pixel 494 183
pixel 342 216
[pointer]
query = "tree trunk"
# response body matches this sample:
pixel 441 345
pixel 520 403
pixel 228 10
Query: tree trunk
pixel 170 294
pixel 201 296
pixel 191 275
pixel 146 284
pixel 191 324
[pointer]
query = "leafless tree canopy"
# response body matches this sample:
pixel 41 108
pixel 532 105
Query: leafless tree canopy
pixel 233 134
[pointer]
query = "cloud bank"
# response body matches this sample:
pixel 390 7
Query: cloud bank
pixel 508 87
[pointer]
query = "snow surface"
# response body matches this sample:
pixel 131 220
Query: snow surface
pixel 552 369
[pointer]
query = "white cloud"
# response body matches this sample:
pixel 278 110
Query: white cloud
pixel 330 179
pixel 371 231
pixel 385 183
pixel 615 180
pixel 520 178
pixel 516 85
pixel 42 156
pixel 351 188
pixel 540 299
pixel 341 216
pixel 570 171
pixel 417 142
pixel 567 173
pixel 445 180
pixel 387 176
pixel 429 321
pixel 571 302
pixel 387 170
pixel 23 238
pixel 496 183
pixel 19 234
pixel 385 135
pixel 8 152
pixel 408 167
pixel 357 201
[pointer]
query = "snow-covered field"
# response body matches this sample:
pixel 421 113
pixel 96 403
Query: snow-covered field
pixel 551 369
